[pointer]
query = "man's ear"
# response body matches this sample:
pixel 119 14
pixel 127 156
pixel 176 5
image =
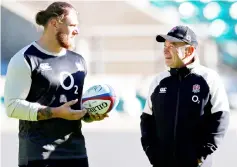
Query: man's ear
pixel 53 22
pixel 189 51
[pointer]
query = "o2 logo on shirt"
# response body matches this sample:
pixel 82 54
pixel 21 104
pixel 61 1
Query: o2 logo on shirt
pixel 195 99
pixel 64 75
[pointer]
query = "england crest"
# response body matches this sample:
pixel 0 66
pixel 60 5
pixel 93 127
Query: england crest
pixel 196 88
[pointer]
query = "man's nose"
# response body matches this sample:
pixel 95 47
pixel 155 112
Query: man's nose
pixel 75 31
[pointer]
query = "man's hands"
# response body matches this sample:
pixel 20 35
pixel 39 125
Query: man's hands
pixel 64 111
pixel 90 117
pixel 199 162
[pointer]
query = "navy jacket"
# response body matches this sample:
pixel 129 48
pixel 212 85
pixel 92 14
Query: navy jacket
pixel 185 118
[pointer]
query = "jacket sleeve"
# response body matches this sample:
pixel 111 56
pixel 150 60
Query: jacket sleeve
pixel 148 130
pixel 215 121
pixel 147 135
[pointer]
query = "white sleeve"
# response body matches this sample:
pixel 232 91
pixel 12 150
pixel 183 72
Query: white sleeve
pixel 148 105
pixel 219 99
pixel 17 87
pixel 148 108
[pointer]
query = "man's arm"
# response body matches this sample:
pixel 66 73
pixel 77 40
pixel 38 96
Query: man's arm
pixel 148 132
pixel 17 87
pixel 44 113
pixel 215 120
pixel 147 126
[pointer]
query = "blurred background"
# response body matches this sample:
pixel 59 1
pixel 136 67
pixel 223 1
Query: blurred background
pixel 117 39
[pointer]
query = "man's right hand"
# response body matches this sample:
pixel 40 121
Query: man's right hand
pixel 64 111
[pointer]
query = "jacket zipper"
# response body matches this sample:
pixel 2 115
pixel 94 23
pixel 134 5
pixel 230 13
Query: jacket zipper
pixel 176 117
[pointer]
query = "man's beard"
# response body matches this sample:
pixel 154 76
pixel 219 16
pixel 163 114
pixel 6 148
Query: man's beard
pixel 63 40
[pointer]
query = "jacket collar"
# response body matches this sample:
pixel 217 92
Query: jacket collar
pixel 184 71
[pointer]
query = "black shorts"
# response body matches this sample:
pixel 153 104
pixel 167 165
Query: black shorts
pixel 83 162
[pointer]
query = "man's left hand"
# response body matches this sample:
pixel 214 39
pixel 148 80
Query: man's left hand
pixel 98 117
pixel 94 117
pixel 199 162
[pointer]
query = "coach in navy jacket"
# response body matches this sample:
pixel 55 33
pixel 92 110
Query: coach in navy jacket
pixel 187 112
